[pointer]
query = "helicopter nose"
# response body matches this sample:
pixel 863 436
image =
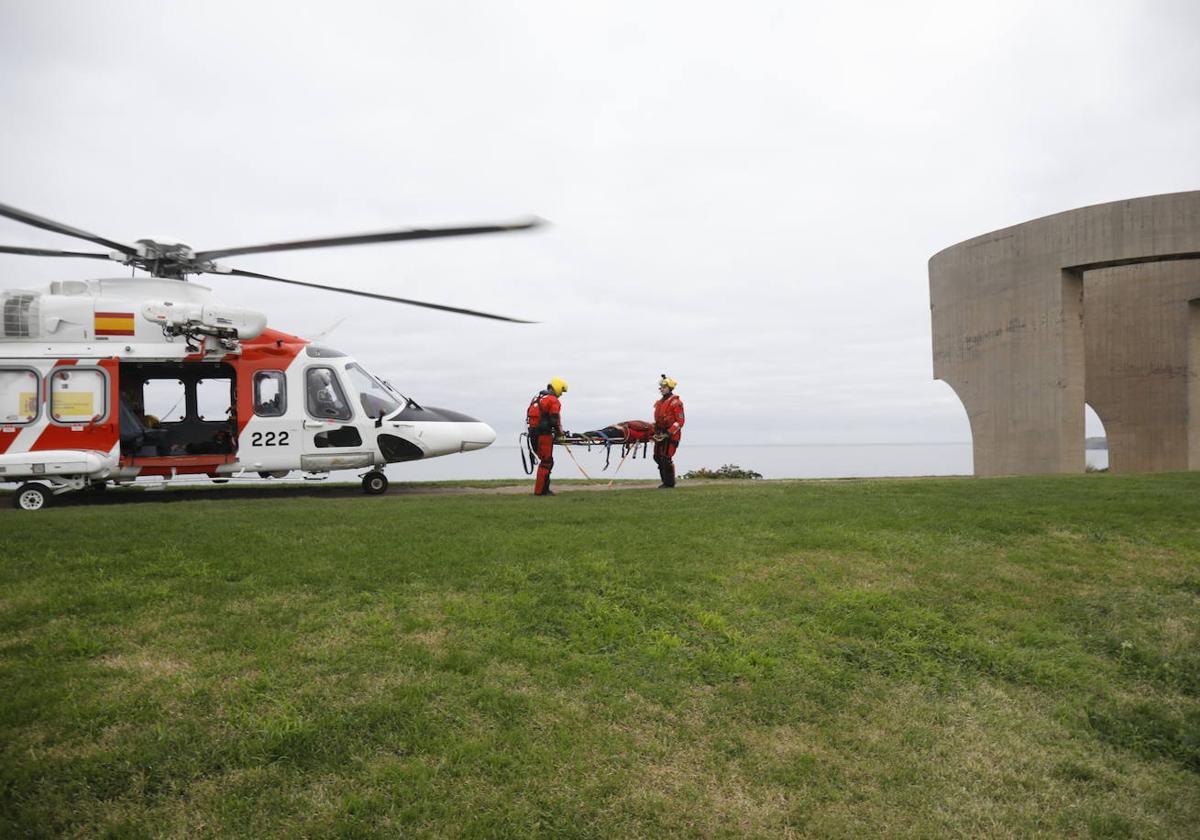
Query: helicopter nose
pixel 430 432
pixel 477 435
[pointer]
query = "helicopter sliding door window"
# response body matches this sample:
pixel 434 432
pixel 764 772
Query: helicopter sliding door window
pixel 324 396
pixel 20 396
pixel 78 395
pixel 270 393
pixel 164 400
pixel 214 398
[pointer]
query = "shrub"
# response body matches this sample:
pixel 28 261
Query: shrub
pixel 726 471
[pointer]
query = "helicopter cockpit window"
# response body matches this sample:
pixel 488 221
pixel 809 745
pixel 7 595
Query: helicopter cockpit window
pixel 78 395
pixel 317 352
pixel 19 396
pixel 270 393
pixel 377 400
pixel 324 395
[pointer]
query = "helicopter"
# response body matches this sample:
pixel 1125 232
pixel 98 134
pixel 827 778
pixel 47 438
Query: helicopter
pixel 110 380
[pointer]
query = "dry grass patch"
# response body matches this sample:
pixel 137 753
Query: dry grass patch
pixel 146 664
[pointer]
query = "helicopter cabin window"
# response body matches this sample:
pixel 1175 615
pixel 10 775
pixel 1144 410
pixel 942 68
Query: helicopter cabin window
pixel 214 399
pixel 163 401
pixel 324 395
pixel 19 396
pixel 270 393
pixel 346 436
pixel 78 395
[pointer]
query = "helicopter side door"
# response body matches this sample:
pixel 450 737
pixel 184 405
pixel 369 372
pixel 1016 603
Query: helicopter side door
pixel 178 416
pixel 332 438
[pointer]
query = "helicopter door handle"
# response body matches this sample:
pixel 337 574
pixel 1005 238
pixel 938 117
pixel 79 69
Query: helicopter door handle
pixel 314 424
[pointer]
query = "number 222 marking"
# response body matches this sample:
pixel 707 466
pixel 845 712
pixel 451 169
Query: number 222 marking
pixel 269 439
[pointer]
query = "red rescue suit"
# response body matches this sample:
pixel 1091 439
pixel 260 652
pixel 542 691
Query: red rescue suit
pixel 545 423
pixel 668 420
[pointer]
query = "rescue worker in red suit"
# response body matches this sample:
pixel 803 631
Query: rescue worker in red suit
pixel 668 426
pixel 545 424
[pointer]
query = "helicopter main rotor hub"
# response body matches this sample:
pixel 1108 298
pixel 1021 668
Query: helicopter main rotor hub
pixel 167 257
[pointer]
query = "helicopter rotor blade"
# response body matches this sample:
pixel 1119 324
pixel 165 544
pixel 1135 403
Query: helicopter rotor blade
pixel 438 306
pixel 28 218
pixel 43 252
pixel 369 238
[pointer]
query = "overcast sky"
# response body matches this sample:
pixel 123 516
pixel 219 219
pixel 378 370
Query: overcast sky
pixel 743 196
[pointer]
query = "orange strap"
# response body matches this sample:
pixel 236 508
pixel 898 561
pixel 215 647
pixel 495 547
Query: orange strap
pixel 581 469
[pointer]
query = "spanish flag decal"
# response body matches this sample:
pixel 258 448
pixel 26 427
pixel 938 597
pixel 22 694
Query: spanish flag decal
pixel 114 323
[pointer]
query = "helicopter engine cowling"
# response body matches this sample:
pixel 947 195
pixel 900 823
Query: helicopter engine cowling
pixel 225 321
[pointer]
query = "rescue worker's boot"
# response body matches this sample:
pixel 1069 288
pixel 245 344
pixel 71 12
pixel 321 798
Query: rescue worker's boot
pixel 541 487
pixel 666 471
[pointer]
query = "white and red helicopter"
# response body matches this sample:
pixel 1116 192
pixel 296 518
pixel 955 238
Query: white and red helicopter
pixel 114 379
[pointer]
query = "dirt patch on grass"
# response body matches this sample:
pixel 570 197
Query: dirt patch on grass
pixel 695 795
pixel 146 664
pixel 1178 634
pixel 522 490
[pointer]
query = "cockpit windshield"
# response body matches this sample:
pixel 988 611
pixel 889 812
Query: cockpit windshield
pixel 378 400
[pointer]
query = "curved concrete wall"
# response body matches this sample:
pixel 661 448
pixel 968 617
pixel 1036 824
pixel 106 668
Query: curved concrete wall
pixel 1008 311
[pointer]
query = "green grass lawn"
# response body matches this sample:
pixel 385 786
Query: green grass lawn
pixel 1007 657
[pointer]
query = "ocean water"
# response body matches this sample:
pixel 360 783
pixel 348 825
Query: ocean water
pixel 795 461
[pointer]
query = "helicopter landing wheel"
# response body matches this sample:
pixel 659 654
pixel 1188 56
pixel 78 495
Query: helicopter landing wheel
pixel 31 496
pixel 374 483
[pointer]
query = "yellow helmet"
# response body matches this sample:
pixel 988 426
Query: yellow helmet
pixel 668 381
pixel 558 386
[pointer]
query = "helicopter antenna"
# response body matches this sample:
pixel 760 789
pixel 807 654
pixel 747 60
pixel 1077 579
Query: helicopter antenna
pixel 325 332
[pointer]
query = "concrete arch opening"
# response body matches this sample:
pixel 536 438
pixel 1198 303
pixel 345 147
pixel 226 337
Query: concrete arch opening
pixel 1095 446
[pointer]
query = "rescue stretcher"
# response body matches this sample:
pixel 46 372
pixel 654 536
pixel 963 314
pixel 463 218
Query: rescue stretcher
pixel 627 435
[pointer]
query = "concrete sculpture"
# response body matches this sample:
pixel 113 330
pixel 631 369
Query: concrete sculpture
pixel 1099 304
